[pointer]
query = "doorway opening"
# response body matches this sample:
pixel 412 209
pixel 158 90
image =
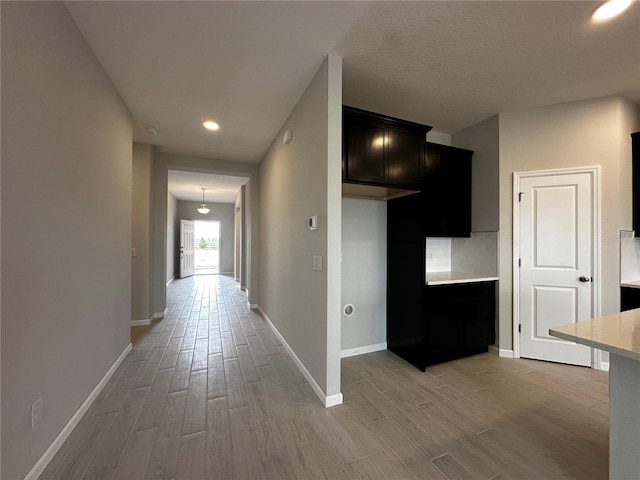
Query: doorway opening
pixel 206 236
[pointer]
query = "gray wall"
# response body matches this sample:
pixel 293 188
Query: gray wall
pixel 163 162
pixel 173 237
pixel 237 252
pixel 483 138
pixel 590 132
pixel 299 180
pixel 225 214
pixel 364 272
pixel 585 133
pixel 66 226
pixel 140 231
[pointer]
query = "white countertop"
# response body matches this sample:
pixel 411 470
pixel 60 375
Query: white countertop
pixel 617 333
pixel 631 284
pixel 447 278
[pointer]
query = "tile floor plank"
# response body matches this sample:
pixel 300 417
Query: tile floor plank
pixel 106 461
pixel 196 419
pixel 216 384
pixel 78 459
pixel 215 342
pixel 257 352
pixel 164 455
pixel 154 404
pixel 246 451
pixel 200 354
pixel 182 371
pixel 191 457
pixel 120 390
pixel 170 356
pixel 148 372
pixel 248 368
pixel 219 397
pixel 236 396
pixel 219 460
pixel 136 455
pixel 228 345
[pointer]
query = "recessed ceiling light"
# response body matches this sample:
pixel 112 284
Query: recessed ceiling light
pixel 610 9
pixel 211 125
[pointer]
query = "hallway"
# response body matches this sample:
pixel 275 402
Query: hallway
pixel 209 393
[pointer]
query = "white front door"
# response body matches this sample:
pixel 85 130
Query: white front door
pixel 186 248
pixel 556 226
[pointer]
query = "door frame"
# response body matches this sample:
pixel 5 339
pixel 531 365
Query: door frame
pixel 594 172
pixel 219 222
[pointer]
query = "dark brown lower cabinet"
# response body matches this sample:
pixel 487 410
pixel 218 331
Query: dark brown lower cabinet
pixel 460 320
pixel 455 321
pixel 629 298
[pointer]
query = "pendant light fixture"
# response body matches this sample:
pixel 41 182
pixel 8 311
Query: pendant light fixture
pixel 203 208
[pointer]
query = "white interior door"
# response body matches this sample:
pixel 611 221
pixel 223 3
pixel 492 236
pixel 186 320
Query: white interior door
pixel 556 263
pixel 186 248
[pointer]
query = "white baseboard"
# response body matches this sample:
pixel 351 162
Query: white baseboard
pixel 604 366
pixel 160 314
pixel 352 352
pixel 48 455
pixel 500 352
pixel 327 400
pixel 333 400
pixel 141 323
pixel 244 289
pixel 171 280
pixel 254 306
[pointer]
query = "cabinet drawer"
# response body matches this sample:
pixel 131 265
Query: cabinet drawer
pixel 458 291
pixel 629 298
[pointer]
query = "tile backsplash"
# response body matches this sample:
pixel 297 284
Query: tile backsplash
pixel 438 254
pixel 477 254
pixel 629 256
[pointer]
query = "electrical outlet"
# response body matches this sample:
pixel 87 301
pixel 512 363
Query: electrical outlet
pixel 317 262
pixel 133 252
pixel 37 410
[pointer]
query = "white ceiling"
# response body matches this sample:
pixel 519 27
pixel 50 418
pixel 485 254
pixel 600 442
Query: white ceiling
pixel 446 64
pixel 242 64
pixel 219 188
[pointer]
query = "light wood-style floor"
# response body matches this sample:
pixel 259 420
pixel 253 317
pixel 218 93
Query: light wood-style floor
pixel 209 393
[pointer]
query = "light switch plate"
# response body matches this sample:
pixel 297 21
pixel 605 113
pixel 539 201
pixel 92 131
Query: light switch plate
pixel 317 262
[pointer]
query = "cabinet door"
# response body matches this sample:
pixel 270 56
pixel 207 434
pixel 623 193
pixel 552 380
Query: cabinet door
pixel 433 194
pixel 460 320
pixel 447 191
pixel 405 154
pixel 364 150
pixel 456 183
pixel 479 323
pixel 629 298
pixel 443 330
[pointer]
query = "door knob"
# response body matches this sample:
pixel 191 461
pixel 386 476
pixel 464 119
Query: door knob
pixel 584 279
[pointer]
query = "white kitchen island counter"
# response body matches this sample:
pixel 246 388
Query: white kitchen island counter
pixel 618 334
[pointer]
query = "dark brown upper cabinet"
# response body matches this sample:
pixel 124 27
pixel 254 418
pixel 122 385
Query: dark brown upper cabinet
pixel 447 191
pixel 382 151
pixel 635 165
